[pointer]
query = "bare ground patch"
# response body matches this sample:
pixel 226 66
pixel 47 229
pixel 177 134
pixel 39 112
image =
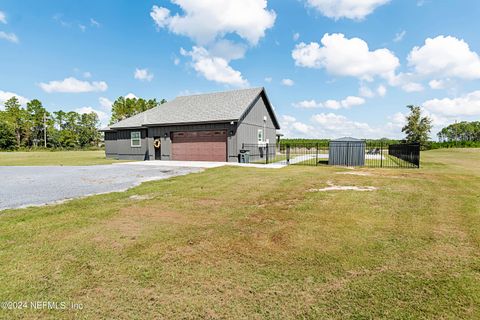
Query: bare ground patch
pixel 332 187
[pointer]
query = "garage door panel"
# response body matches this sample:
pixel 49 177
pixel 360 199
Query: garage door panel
pixel 199 146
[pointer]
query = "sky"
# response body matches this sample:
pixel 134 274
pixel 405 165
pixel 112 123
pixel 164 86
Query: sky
pixel 331 68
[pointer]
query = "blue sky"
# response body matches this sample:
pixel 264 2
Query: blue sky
pixel 330 67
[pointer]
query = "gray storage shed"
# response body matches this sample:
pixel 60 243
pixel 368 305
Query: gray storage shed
pixel 347 151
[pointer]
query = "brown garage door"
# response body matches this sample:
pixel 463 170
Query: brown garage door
pixel 199 146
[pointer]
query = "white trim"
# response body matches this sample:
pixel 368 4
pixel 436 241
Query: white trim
pixel 139 139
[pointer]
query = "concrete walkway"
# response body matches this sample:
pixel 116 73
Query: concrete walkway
pixel 201 164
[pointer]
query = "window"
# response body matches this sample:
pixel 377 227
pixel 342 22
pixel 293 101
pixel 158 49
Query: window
pixel 260 135
pixel 135 139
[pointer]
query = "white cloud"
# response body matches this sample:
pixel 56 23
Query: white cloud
pixel 333 125
pixel 351 9
pixel 131 96
pixel 446 57
pixel 6 95
pixel 214 68
pixel 398 119
pixel 73 85
pixel 399 36
pixel 308 104
pixel 412 87
pixel 296 36
pixel 437 84
pixel 176 61
pixel 12 37
pixel 288 82
pixel 3 17
pixel 105 103
pixel 94 23
pixel 87 74
pixel 82 27
pixel 206 20
pixel 291 127
pixel 381 90
pixel 268 79
pixel 143 75
pixel 346 57
pixel 467 105
pixel 352 101
pixel 160 16
pixel 102 116
pixel 227 50
pixel 346 103
pixel 366 92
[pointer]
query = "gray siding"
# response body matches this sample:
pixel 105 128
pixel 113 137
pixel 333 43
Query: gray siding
pixel 125 151
pixel 111 145
pixel 164 133
pixel 253 121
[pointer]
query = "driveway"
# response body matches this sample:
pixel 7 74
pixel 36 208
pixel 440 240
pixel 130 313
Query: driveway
pixel 26 186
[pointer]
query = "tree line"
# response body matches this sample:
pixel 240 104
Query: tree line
pixel 35 127
pixel 460 132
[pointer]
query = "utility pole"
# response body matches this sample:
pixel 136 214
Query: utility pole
pixel 45 129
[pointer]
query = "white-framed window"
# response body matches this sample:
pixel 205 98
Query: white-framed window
pixel 135 139
pixel 260 135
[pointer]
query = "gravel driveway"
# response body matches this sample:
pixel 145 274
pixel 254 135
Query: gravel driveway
pixel 25 186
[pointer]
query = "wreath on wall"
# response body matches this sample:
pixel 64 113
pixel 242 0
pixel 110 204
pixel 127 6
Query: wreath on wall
pixel 156 144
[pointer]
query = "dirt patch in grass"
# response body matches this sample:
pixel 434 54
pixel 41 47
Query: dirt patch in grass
pixel 356 173
pixel 332 187
pixel 133 222
pixel 208 202
pixel 138 197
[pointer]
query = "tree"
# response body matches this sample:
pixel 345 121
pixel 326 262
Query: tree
pixel 7 135
pixel 460 132
pixel 36 116
pixel 16 116
pixel 88 134
pixel 124 108
pixel 417 128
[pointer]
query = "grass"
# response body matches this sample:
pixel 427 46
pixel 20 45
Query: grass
pixel 253 243
pixel 54 158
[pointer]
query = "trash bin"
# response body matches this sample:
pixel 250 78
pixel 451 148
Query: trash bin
pixel 244 156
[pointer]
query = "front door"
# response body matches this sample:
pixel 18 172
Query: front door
pixel 157 145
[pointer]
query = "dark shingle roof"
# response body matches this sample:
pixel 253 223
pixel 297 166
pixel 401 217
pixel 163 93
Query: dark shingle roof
pixel 212 107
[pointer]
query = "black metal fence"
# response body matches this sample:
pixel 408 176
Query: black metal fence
pixel 366 154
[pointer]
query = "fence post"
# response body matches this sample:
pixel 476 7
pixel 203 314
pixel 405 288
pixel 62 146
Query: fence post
pixel 288 154
pixel 381 154
pixel 316 155
pixel 266 155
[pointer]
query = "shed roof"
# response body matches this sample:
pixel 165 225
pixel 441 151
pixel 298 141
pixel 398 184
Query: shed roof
pixel 211 107
pixel 347 139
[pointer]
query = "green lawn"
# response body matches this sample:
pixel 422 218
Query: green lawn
pixel 54 158
pixel 244 243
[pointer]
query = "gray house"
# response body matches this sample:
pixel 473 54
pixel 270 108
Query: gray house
pixel 204 127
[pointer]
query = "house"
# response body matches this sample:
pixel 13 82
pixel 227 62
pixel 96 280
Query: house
pixel 203 127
